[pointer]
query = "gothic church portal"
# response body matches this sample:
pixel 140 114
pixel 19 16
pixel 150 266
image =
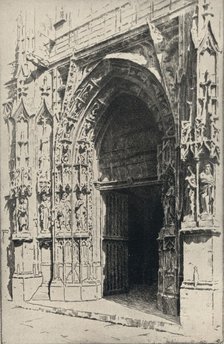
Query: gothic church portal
pixel 115 159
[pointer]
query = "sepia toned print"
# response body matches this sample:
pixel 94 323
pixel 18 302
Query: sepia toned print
pixel 112 172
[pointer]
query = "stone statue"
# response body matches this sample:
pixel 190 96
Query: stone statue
pixel 45 145
pixel 170 261
pixel 65 152
pixel 82 151
pixel 64 212
pixel 44 210
pixel 37 61
pixel 169 204
pixel 69 127
pixel 206 190
pixel 191 188
pixel 22 215
pixel 80 212
pixel 88 126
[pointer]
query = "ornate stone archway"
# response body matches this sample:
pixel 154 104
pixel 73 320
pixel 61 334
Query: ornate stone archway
pixel 57 110
pixel 77 265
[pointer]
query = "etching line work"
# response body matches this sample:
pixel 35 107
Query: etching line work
pixel 113 173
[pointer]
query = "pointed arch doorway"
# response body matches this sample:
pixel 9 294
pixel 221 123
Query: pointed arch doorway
pixel 103 148
pixel 132 213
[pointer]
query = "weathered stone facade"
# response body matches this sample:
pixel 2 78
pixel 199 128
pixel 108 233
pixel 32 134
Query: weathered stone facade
pixel 130 100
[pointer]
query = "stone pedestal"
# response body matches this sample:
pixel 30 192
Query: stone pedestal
pixel 46 269
pixel 7 262
pixel 75 292
pixel 168 304
pixel 27 276
pixel 201 292
pixel 24 286
pixel 167 296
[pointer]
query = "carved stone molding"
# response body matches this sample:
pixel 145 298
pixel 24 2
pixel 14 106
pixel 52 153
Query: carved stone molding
pixel 166 44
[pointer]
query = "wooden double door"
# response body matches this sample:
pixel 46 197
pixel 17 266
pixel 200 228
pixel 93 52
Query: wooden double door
pixel 115 243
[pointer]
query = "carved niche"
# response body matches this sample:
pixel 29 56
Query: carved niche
pixel 206 190
pixel 168 199
pixel 45 136
pixel 190 194
pixel 165 156
pixel 45 213
pixel 44 127
pixel 63 212
pixel 20 172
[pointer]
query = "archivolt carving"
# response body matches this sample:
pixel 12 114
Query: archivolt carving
pixel 165 156
pixel 92 87
pixel 166 48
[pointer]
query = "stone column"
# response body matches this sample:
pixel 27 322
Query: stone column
pixel 201 288
pixel 22 202
pixel 167 296
pixel 201 232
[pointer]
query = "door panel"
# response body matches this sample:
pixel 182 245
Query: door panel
pixel 115 243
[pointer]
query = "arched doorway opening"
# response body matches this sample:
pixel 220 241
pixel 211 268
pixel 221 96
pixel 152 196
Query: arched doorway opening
pixel 131 193
pixel 84 172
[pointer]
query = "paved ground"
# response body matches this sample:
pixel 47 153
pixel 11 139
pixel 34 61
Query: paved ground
pixel 21 326
pixel 137 308
pixel 142 298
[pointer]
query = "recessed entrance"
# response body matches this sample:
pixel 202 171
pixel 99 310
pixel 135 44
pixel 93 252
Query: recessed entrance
pixel 131 194
pixel 133 219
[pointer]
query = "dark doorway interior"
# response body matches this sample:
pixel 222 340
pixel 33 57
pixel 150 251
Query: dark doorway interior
pixel 145 217
pixel 130 240
pixel 144 220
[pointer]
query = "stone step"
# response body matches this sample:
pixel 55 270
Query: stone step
pixel 133 319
